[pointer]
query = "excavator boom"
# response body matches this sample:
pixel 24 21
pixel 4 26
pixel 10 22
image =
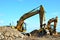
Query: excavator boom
pixel 27 15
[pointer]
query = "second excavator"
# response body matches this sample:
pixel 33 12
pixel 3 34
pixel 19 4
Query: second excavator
pixel 55 20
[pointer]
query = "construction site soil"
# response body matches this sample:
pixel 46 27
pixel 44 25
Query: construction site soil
pixel 8 33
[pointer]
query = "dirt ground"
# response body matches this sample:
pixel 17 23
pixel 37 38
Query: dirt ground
pixel 7 33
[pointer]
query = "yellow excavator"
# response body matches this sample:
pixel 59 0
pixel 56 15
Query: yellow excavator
pixel 41 13
pixel 55 20
pixel 30 14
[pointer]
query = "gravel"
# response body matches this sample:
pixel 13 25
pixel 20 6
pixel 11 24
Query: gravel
pixel 7 33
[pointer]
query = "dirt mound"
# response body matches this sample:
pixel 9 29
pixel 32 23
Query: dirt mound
pixel 38 33
pixel 7 33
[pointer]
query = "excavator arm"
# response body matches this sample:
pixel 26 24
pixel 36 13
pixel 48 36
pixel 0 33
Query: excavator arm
pixel 25 16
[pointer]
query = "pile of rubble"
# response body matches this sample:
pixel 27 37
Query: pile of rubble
pixel 38 33
pixel 7 33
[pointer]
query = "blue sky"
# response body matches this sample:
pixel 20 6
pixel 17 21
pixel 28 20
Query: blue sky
pixel 12 10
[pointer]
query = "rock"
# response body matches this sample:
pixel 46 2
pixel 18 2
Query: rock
pixel 7 34
pixel 18 39
pixel 13 37
pixel 21 35
pixel 10 38
pixel 38 33
pixel 2 36
pixel 6 37
pixel 0 33
pixel 16 35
